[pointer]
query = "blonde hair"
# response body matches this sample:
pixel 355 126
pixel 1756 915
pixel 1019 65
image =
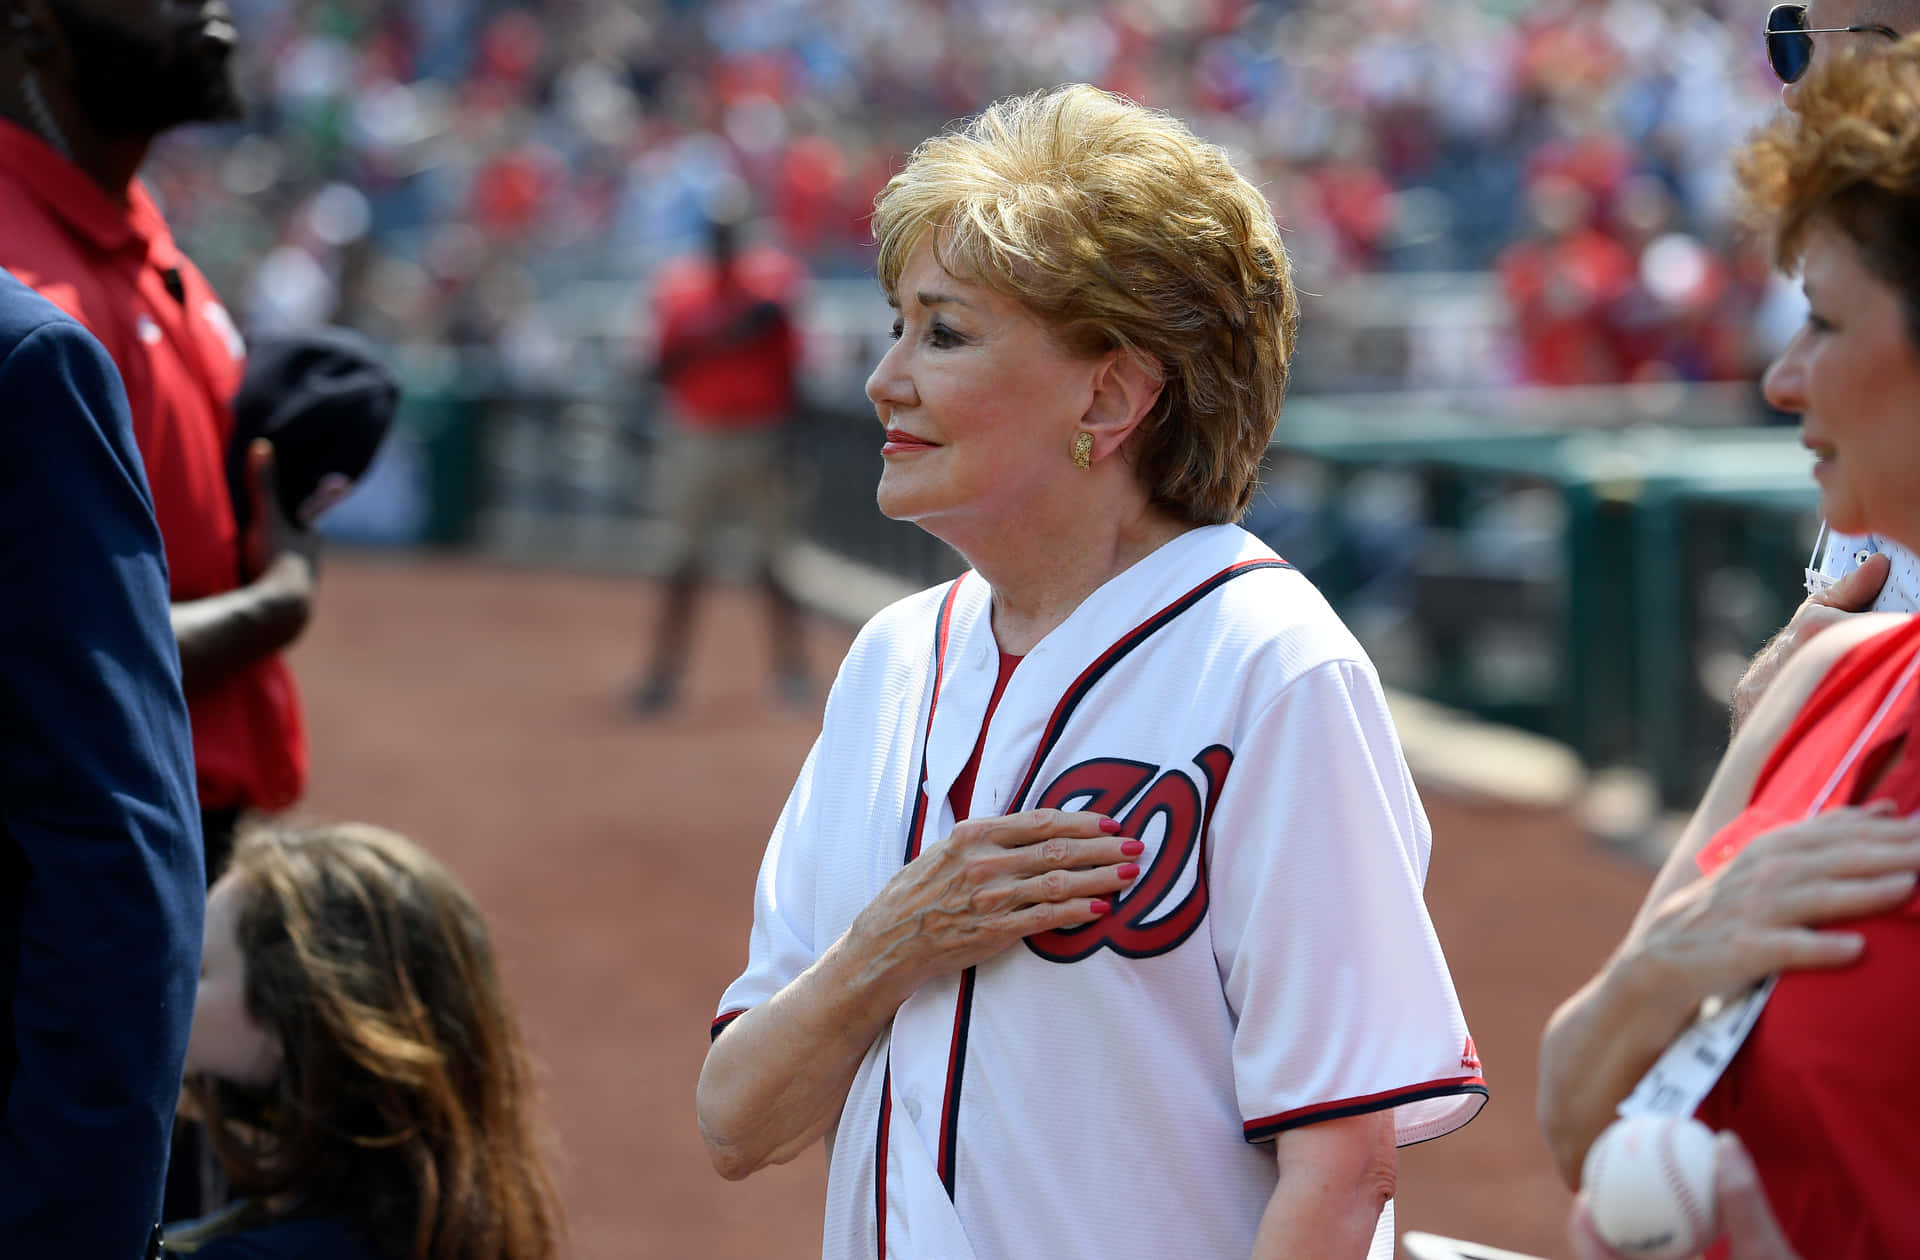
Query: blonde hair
pixel 1848 156
pixel 405 1099
pixel 1122 230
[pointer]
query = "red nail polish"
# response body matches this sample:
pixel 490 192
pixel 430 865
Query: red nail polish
pixel 1134 848
pixel 1098 906
pixel 1128 871
pixel 1110 825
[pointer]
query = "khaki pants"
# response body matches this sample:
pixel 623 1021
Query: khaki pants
pixel 705 478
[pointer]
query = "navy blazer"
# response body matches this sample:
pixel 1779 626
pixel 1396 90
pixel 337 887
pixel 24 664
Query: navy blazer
pixel 101 886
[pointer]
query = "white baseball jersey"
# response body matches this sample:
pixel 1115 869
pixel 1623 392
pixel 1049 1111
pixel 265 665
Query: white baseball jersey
pixel 1108 1090
pixel 1839 554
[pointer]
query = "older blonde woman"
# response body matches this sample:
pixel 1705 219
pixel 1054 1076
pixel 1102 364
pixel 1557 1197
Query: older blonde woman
pixel 1801 861
pixel 1093 925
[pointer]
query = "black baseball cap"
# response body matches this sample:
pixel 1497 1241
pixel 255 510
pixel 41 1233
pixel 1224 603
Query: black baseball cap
pixel 324 397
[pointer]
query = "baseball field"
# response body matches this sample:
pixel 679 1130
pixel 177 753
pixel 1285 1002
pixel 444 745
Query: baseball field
pixel 478 708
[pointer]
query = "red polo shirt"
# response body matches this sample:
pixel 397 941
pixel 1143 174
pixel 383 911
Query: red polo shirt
pixel 116 269
pixel 745 384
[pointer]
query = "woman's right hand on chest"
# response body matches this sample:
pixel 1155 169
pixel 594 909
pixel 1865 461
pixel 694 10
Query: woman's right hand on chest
pixel 993 882
pixel 1768 909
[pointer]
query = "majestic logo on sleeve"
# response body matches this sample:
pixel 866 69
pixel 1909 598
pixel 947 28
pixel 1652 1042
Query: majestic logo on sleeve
pixel 1147 919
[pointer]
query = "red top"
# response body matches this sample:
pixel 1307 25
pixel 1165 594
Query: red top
pixel 724 379
pixel 116 269
pixel 1561 292
pixel 960 795
pixel 1824 1092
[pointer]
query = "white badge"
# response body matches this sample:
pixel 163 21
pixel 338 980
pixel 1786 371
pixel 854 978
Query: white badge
pixel 1682 1077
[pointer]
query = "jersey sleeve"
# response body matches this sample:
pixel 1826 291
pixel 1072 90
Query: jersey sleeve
pixel 1341 997
pixel 821 865
pixel 781 945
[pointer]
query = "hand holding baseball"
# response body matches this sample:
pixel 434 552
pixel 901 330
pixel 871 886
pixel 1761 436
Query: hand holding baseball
pixel 1740 1210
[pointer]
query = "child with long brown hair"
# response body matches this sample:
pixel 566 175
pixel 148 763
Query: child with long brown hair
pixel 356 1062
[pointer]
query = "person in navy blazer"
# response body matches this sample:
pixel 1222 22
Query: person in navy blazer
pixel 101 890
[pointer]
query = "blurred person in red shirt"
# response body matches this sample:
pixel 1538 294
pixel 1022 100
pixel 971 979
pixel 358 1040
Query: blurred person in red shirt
pixel 812 178
pixel 727 362
pixel 1567 49
pixel 1562 285
pixel 1355 197
pixel 1681 316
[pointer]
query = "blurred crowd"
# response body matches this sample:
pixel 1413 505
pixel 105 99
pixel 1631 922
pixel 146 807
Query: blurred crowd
pixel 490 185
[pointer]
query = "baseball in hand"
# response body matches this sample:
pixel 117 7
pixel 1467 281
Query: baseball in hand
pixel 1649 1184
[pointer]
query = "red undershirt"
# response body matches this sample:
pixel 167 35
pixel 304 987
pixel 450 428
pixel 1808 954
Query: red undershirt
pixel 961 796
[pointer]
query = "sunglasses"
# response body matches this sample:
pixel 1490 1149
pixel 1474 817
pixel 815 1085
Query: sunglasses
pixel 1790 39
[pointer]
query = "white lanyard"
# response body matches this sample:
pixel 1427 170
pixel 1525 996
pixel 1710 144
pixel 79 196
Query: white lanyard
pixel 1817 580
pixel 1682 1077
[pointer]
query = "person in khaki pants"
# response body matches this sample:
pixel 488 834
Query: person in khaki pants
pixel 727 361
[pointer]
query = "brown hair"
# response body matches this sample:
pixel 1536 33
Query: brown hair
pixel 1848 157
pixel 1122 230
pixel 405 1099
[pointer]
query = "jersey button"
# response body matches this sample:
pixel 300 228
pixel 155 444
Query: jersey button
pixel 913 1110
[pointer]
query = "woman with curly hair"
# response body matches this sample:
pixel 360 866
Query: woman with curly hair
pixel 1093 926
pixel 1791 897
pixel 356 1063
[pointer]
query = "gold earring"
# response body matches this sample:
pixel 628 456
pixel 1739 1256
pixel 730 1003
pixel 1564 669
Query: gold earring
pixel 1083 449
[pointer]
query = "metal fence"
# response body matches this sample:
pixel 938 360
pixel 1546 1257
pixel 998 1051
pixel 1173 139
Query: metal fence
pixel 1603 584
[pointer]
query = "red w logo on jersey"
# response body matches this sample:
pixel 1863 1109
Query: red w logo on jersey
pixel 1140 925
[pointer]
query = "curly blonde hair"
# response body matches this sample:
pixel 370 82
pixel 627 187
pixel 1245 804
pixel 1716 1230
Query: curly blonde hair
pixel 1122 230
pixel 1848 157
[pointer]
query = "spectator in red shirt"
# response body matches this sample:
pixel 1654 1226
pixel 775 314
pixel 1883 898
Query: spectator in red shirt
pixel 727 362
pixel 1562 285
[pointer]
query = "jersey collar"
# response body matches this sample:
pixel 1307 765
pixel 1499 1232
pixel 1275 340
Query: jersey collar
pixel 81 204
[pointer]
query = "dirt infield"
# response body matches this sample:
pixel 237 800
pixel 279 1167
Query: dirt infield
pixel 478 709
